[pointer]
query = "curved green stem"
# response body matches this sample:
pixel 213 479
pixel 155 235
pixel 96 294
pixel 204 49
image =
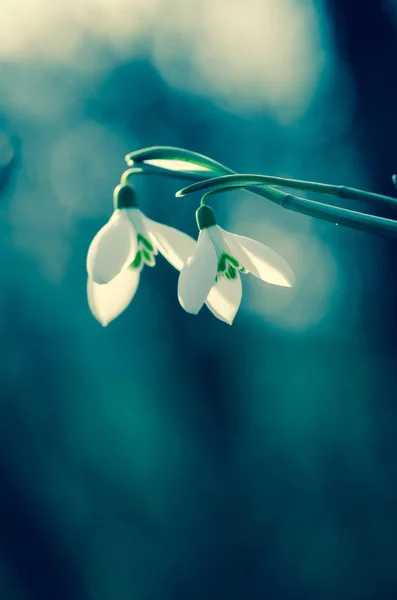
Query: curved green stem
pixel 124 179
pixel 265 180
pixel 325 212
pixel 221 178
pixel 172 153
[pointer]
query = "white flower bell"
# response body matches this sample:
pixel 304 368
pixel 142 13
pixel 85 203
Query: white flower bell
pixel 212 274
pixel 121 249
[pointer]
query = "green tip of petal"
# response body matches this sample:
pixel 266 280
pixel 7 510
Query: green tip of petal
pixel 205 217
pixel 124 196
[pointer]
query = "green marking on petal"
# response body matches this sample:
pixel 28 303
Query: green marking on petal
pixel 145 254
pixel 144 242
pixel 137 260
pixel 222 263
pixel 148 258
pixel 234 262
pixel 228 267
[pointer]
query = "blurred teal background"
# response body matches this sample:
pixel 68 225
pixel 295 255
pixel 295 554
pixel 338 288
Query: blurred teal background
pixel 170 456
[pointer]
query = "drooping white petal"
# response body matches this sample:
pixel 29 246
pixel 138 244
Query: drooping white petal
pixel 224 298
pixel 108 301
pixel 174 245
pixel 113 248
pixel 259 259
pixel 198 275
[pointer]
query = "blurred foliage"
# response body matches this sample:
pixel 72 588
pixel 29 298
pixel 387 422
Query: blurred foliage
pixel 171 456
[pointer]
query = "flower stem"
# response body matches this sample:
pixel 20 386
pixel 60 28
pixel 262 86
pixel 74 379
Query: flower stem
pixel 311 208
pixel 265 180
pixel 218 177
pixel 325 212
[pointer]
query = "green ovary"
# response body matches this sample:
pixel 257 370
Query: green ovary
pixel 145 253
pixel 228 267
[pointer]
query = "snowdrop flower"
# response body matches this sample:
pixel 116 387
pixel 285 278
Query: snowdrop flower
pixel 212 274
pixel 121 249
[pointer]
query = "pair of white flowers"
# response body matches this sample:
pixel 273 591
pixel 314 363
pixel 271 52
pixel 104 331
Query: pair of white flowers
pixel 209 268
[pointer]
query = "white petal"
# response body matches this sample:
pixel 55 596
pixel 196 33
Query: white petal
pixel 173 244
pixel 198 275
pixel 113 248
pixel 224 298
pixel 259 259
pixel 108 301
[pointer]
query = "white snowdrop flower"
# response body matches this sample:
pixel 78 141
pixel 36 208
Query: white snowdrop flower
pixel 121 249
pixel 212 274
